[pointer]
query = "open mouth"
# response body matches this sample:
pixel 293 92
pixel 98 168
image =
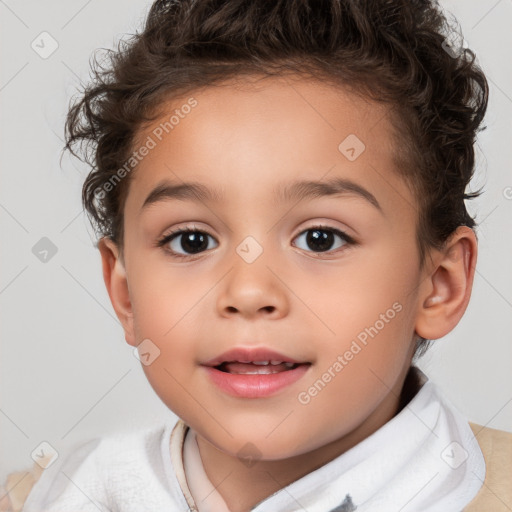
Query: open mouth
pixel 256 367
pixel 255 379
pixel 255 372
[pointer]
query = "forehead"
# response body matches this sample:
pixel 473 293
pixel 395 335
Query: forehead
pixel 242 138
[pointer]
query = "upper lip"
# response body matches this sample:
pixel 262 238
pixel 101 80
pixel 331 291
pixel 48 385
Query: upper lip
pixel 247 354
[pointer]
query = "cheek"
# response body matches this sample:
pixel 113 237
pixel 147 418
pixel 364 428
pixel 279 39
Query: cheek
pixel 166 313
pixel 163 300
pixel 356 297
pixel 165 316
pixel 369 313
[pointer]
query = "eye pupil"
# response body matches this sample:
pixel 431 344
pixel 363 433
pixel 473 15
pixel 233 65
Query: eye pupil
pixel 194 242
pixel 321 237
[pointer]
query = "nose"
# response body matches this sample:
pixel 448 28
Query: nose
pixel 252 290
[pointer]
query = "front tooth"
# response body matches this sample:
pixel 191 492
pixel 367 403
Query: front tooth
pixel 274 361
pixel 261 371
pixel 260 362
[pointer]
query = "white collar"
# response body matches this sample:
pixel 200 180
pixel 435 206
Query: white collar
pixel 425 459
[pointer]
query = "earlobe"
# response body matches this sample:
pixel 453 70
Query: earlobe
pixel 115 277
pixel 446 290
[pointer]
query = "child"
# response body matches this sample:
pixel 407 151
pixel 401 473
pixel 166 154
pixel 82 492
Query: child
pixel 231 137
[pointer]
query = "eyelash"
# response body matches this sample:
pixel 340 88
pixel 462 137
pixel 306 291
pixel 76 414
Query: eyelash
pixel 191 229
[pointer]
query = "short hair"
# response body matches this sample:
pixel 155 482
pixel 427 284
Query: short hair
pixel 399 53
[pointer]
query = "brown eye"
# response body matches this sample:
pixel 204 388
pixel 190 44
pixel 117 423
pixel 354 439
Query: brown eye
pixel 191 241
pixel 186 242
pixel 321 239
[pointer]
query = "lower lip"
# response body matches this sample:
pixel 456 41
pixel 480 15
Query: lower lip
pixel 255 385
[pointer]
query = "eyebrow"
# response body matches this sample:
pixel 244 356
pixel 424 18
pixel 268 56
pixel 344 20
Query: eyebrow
pixel 297 190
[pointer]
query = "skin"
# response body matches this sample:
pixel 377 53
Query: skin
pixel 244 138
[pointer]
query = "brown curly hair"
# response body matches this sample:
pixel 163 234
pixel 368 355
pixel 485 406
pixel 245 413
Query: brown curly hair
pixel 395 52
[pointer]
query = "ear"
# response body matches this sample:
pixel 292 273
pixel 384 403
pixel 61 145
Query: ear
pixel 114 275
pixel 446 289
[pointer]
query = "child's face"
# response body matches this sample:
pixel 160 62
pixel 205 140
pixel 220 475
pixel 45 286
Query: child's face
pixel 309 305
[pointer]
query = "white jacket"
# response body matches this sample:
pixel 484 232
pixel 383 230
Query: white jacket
pixel 425 459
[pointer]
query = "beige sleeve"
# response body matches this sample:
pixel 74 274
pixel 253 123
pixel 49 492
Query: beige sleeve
pixel 496 492
pixel 17 487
